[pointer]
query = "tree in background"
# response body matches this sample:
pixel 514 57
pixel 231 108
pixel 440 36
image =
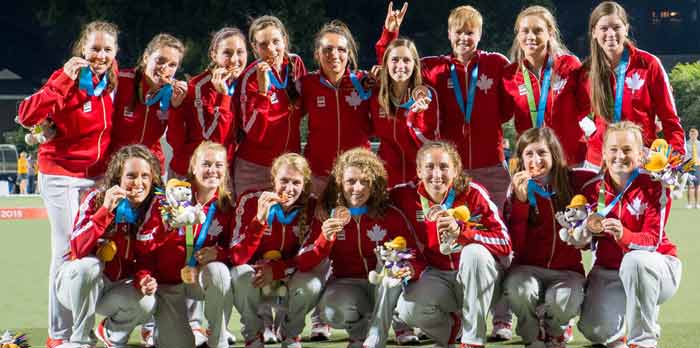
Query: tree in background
pixel 685 79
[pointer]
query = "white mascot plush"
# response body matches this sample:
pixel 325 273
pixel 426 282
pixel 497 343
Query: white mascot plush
pixel 180 211
pixel 392 260
pixel 40 133
pixel 572 220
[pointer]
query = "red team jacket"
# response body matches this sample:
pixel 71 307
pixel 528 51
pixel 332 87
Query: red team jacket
pixel 338 119
pixel 647 94
pixel 205 114
pixel 563 110
pixel 643 211
pixel 91 229
pixel 352 252
pixel 83 126
pixel 493 235
pixel 251 239
pixel 134 122
pixel 402 135
pixel 270 122
pixel 161 251
pixel 539 245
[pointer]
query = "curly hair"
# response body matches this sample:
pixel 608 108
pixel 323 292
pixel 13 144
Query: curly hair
pixel 461 181
pixel 225 201
pixel 298 163
pixel 372 168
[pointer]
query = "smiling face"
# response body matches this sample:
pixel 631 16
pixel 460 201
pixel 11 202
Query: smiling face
pixel 356 187
pixel 162 64
pixel 400 64
pixel 537 159
pixel 100 49
pixel 270 45
pixel 210 169
pixel 622 152
pixel 610 32
pixel 436 171
pixel 332 53
pixel 231 53
pixel 464 39
pixel 136 180
pixel 288 182
pixel 533 36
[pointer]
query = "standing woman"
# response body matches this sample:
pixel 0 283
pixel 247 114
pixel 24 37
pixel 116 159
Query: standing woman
pixel 195 270
pixel 405 113
pixel 541 82
pixel 78 100
pixel 146 95
pixel 270 104
pixel 269 222
pixel 636 268
pixel 457 289
pixel 626 83
pixel 337 101
pixel 209 109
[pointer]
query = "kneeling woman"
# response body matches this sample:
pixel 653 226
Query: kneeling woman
pixel 456 290
pixel 99 276
pixel 358 181
pixel 189 262
pixel 268 230
pixel 636 268
pixel 546 272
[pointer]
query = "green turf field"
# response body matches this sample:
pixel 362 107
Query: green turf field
pixel 25 255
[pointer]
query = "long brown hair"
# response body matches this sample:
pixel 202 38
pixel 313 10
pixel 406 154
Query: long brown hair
pixel 221 35
pixel 263 22
pixel 225 201
pixel 385 80
pixel 461 181
pixel 157 42
pixel 104 27
pixel 298 163
pixel 555 46
pixel 559 174
pixel 337 27
pixel 372 167
pixel 599 69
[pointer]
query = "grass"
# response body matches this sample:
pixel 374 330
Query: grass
pixel 25 259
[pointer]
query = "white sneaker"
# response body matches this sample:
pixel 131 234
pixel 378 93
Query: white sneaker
pixel 320 332
pixel 269 336
pixel 230 338
pixel 406 337
pixel 147 340
pixel 690 206
pixel 502 332
pixel 200 336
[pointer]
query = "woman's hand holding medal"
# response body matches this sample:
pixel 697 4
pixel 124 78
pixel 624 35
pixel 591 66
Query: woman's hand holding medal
pixel 220 77
pixel 263 275
pixel 112 197
pixel 73 66
pixel 262 76
pixel 421 99
pixel 339 218
pixel 179 92
pixel 265 202
pixel 613 227
pixel 519 182
pixel 206 255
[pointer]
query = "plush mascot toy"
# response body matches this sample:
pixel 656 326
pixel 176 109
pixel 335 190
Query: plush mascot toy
pixel 668 168
pixel 392 261
pixel 17 340
pixel 573 231
pixel 278 287
pixel 177 208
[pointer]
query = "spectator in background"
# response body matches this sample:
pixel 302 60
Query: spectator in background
pixel 31 173
pixel 692 145
pixel 22 172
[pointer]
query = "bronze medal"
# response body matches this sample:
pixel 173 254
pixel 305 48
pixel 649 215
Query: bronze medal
pixel 594 224
pixel 420 92
pixel 342 213
pixel 434 213
pixel 188 274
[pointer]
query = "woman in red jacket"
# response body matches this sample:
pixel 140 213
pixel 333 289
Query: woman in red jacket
pixel 196 269
pixel 146 95
pixel 98 277
pixel 625 83
pixel 336 98
pixel 209 109
pixel 636 268
pixel 268 229
pixel 541 82
pixel 270 104
pixel 77 102
pixel 405 113
pixel 545 271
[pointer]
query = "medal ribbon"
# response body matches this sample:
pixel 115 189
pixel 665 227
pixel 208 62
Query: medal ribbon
pixel 85 83
pixel 358 211
pixel 190 244
pixel 537 112
pixel 620 83
pixel 276 213
pixel 364 95
pixel 230 90
pixel 125 213
pixel 602 209
pixel 449 201
pixel 533 188
pixel 163 96
pixel 275 82
pixel 466 110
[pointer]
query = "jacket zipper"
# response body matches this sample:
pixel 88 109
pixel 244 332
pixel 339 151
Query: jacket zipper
pixel 469 125
pixel 359 245
pixel 337 113
pixel 398 144
pixel 284 236
pixel 145 123
pixel 554 239
pixel 99 138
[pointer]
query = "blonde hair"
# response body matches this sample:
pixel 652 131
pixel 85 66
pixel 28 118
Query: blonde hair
pixel 221 35
pixel 372 168
pixel 225 200
pixel 301 165
pixel 385 81
pixel 625 126
pixel 157 42
pixel 460 182
pixel 599 67
pixel 464 15
pixel 94 27
pixel 555 46
pixel 339 28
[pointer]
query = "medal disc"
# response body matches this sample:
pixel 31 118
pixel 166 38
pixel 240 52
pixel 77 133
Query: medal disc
pixel 594 223
pixel 341 213
pixel 434 213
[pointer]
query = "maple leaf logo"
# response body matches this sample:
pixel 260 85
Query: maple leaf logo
pixel 353 99
pixel 215 228
pixel 636 208
pixel 558 83
pixel 635 82
pixel 484 83
pixel 376 234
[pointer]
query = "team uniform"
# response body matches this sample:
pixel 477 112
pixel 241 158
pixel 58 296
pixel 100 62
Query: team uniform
pixel 86 285
pixel 349 301
pixel 204 115
pixel 646 95
pixel 455 291
pixel 546 279
pixel 401 136
pixel 68 162
pixel 562 113
pixel 632 276
pixel 134 121
pixel 338 121
pixel 270 124
pixel 161 253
